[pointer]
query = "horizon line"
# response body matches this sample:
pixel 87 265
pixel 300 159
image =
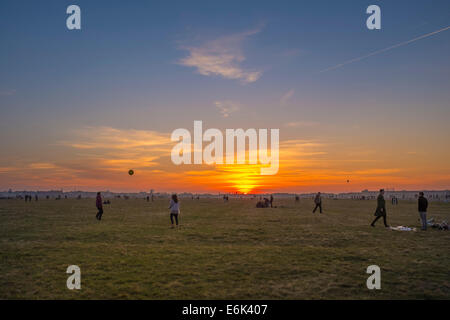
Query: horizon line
pixel 221 193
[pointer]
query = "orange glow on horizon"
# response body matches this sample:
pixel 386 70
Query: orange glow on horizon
pixel 94 160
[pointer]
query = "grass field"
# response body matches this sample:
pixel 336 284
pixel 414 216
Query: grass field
pixel 221 251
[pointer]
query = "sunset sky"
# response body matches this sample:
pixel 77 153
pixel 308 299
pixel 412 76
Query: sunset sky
pixel 80 108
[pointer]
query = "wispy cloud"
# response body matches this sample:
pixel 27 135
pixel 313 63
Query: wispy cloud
pixel 385 49
pixel 118 149
pixel 287 96
pixel 291 53
pixel 301 124
pixel 227 107
pixel 7 92
pixel 112 138
pixel 42 165
pixel 222 57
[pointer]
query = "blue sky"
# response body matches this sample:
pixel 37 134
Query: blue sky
pixel 134 65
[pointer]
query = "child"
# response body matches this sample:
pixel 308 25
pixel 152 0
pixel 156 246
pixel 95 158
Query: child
pixel 174 209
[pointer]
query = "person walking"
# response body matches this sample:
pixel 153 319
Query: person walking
pixel 271 201
pixel 318 202
pixel 381 209
pixel 99 205
pixel 174 208
pixel 423 206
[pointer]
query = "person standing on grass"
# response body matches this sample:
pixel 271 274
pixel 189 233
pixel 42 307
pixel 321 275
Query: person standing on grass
pixel 423 206
pixel 271 201
pixel 318 202
pixel 174 208
pixel 99 204
pixel 381 209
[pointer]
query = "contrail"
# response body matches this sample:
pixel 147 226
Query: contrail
pixel 384 50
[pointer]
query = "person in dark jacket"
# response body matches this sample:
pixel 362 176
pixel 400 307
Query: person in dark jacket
pixel 381 209
pixel 423 206
pixel 318 202
pixel 99 204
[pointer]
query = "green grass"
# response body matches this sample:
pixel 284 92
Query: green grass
pixel 221 251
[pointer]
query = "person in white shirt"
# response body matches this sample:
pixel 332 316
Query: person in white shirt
pixel 174 208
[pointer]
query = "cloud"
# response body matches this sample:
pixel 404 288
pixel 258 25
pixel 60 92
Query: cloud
pixel 7 92
pixel 301 124
pixel 291 53
pixel 112 138
pixel 222 57
pixel 384 50
pixel 287 96
pixel 42 165
pixel 7 169
pixel 118 149
pixel 227 107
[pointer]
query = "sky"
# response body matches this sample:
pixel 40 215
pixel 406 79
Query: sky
pixel 356 108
